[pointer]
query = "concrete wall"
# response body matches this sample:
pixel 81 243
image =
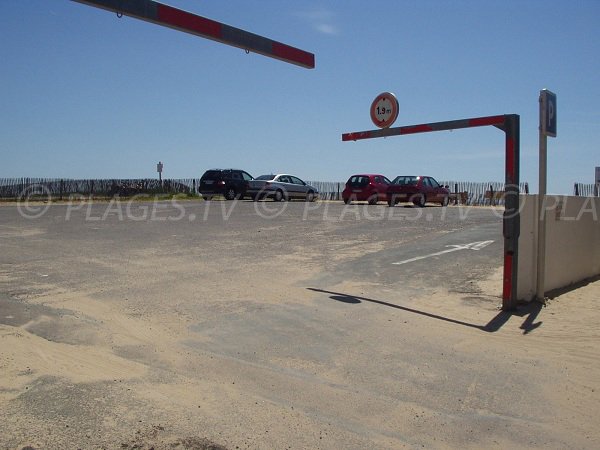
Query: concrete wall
pixel 572 242
pixel 526 266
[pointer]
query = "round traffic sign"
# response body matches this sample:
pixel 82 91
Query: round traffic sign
pixel 384 109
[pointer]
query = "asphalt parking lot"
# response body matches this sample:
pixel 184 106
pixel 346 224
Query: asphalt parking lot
pixel 259 231
pixel 261 325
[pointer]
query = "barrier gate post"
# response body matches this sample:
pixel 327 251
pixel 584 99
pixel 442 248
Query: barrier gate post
pixel 511 223
pixel 510 124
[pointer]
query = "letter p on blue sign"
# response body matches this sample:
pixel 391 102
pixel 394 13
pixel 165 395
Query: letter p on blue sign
pixel 548 112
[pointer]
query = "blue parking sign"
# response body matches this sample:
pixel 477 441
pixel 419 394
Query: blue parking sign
pixel 548 112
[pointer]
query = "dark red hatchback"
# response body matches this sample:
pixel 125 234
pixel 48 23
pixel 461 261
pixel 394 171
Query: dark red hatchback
pixel 417 189
pixel 371 188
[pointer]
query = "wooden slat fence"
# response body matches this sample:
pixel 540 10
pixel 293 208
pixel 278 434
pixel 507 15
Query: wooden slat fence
pixel 56 188
pixel 478 193
pixel 328 190
pixel 585 190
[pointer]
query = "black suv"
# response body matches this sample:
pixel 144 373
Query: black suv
pixel 231 183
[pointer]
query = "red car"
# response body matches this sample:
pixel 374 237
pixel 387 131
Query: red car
pixel 366 187
pixel 417 189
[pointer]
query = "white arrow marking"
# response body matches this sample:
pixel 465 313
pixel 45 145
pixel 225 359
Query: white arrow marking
pixel 453 248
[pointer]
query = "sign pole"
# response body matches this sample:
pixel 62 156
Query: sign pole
pixel 547 102
pixel 541 217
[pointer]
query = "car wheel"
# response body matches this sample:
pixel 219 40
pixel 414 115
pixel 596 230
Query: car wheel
pixel 419 200
pixel 373 199
pixel 310 196
pixel 230 194
pixel 445 200
pixel 347 200
pixel 278 197
pixel 391 201
pixel 207 197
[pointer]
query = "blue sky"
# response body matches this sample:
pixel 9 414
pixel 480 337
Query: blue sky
pixel 88 95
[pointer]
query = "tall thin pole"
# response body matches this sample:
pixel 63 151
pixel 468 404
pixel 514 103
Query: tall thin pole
pixel 541 218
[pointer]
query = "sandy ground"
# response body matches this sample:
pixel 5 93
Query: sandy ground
pixel 282 359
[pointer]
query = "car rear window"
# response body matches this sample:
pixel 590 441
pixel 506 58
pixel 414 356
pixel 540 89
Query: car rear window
pixel 403 180
pixel 358 180
pixel 211 174
pixel 265 177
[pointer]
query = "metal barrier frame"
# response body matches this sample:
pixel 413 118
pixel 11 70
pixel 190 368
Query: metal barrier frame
pixel 510 124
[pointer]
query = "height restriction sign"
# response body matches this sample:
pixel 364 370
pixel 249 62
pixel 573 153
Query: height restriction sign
pixel 384 109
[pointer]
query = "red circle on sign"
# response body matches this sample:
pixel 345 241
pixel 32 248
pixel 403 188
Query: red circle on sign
pixel 384 109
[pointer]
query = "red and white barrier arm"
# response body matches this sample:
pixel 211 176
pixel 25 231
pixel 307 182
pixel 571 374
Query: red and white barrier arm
pixel 178 19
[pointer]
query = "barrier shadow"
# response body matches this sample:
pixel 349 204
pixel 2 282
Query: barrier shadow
pixel 530 311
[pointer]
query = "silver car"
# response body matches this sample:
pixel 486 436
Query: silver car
pixel 281 187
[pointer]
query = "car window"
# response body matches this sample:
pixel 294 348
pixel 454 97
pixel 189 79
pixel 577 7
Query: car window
pixel 358 180
pixel 236 176
pixel 297 180
pixel 265 177
pixel 406 180
pixel 434 183
pixel 377 180
pixel 211 174
pixel 386 181
pixel 284 179
pixel 246 176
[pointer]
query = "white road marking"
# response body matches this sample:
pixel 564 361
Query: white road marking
pixel 453 248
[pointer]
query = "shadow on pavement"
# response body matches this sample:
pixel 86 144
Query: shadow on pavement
pixel 530 311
